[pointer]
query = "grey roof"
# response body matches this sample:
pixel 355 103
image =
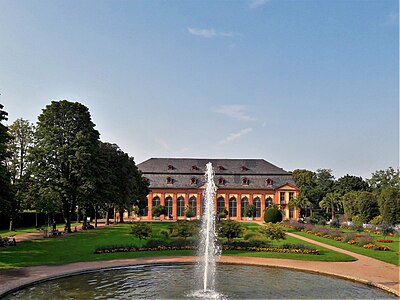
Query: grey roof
pixel 181 171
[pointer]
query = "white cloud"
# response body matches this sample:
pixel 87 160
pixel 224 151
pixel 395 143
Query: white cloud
pixel 238 112
pixel 208 33
pixel 257 3
pixel 235 136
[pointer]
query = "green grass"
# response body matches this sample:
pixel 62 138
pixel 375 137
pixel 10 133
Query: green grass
pixel 22 230
pixel 387 256
pixel 78 247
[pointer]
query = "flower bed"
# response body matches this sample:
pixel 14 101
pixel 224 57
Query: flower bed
pixel 384 241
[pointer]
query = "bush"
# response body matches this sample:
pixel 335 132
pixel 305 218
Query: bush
pixel 272 231
pixel 378 220
pixel 141 230
pixel 249 234
pixel 335 223
pixel 158 210
pixel 183 229
pixel 386 229
pixel 272 215
pixel 189 212
pixel 230 229
pixel 250 210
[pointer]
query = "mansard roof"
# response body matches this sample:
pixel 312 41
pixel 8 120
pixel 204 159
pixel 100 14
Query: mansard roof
pixel 232 171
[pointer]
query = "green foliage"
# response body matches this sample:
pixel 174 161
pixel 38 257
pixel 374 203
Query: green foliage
pixel 230 229
pixel 222 215
pixel 335 223
pixel 66 144
pixel 141 230
pixel 378 220
pixel 272 231
pixel 385 178
pixel 183 229
pixel 331 202
pixel 272 215
pixel 357 223
pixel 350 183
pixel 386 229
pixel 158 210
pixel 389 204
pixel 367 205
pixel 250 210
pixel 189 212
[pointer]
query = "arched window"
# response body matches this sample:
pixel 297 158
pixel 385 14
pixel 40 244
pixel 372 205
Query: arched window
pixel 257 204
pixel 244 202
pixel 181 206
pixel 232 207
pixel 268 202
pixel 145 211
pixel 193 204
pixel 168 206
pixel 156 201
pixel 220 204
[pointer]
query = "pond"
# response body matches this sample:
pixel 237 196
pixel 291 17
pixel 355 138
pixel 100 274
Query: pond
pixel 179 281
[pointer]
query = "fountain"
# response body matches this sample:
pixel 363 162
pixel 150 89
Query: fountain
pixel 208 249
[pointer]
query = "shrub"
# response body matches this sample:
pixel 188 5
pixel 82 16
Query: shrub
pixel 249 234
pixel 386 229
pixel 158 210
pixel 230 229
pixel 378 220
pixel 348 237
pixel 272 231
pixel 189 212
pixel 183 229
pixel 335 223
pixel 141 230
pixel 364 241
pixel 250 210
pixel 272 215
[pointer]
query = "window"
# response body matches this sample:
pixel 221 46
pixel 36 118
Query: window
pixel 244 202
pixel 268 202
pixel 193 204
pixel 156 201
pixel 244 168
pixel 245 181
pixel 291 196
pixel 221 181
pixel 220 204
pixel 170 180
pixel 194 168
pixel 232 207
pixel 193 180
pixel 168 206
pixel 181 206
pixel 269 181
pixel 282 197
pixel 221 168
pixel 291 212
pixel 257 204
pixel 170 167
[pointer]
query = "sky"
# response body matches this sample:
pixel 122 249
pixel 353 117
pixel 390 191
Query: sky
pixel 302 84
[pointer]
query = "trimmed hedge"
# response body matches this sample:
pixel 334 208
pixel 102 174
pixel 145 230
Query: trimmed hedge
pixel 273 215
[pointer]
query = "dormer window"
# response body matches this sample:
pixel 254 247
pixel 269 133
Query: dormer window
pixel 269 181
pixel 221 181
pixel 245 181
pixel 170 167
pixel 244 168
pixel 221 168
pixel 194 168
pixel 193 180
pixel 170 180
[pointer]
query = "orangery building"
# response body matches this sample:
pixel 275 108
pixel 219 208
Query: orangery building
pixel 178 183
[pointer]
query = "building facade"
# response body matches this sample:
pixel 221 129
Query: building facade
pixel 178 183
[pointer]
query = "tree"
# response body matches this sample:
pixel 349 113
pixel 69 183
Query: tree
pixel 19 146
pixel 6 191
pixel 367 205
pixel 331 203
pixel 301 202
pixel 384 178
pixel 189 212
pixel 183 229
pixel 389 204
pixel 350 204
pixel 158 210
pixel 350 183
pixel 250 210
pixel 273 215
pixel 64 151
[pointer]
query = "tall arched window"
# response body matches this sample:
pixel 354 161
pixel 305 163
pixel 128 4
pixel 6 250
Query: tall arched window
pixel 220 204
pixel 156 201
pixel 181 206
pixel 268 202
pixel 244 202
pixel 168 206
pixel 232 207
pixel 257 204
pixel 193 204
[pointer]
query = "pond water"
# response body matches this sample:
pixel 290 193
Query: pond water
pixel 178 281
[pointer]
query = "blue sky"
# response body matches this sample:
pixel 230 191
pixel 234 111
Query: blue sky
pixel 302 84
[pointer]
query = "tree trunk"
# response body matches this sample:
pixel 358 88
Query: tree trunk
pixel 95 216
pixel 107 218
pixel 10 227
pixel 121 216
pixel 115 216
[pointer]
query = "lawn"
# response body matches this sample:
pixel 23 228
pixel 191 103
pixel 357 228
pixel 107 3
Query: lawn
pixel 386 256
pixel 18 231
pixel 80 246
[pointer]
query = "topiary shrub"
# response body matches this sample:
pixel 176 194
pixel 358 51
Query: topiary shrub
pixel 230 229
pixel 273 215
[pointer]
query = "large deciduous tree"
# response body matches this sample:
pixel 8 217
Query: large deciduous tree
pixel 6 191
pixel 384 178
pixel 389 204
pixel 349 183
pixel 19 146
pixel 65 146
